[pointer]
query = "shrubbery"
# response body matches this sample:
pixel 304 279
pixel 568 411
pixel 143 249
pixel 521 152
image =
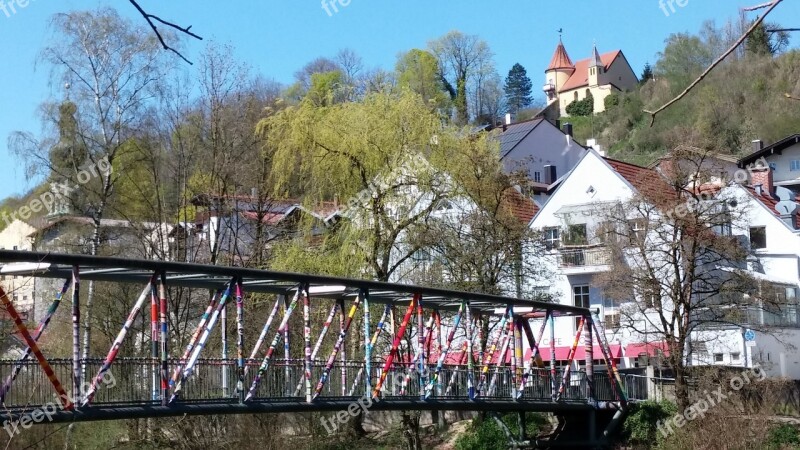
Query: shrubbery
pixel 581 108
pixel 641 424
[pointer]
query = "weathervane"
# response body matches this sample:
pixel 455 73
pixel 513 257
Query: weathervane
pixel 560 32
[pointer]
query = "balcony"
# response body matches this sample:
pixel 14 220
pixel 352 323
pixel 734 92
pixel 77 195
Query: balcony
pixel 583 260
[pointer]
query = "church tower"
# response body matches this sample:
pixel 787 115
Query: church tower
pixel 596 69
pixel 558 72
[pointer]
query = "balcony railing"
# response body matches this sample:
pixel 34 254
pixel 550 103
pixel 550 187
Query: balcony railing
pixel 583 257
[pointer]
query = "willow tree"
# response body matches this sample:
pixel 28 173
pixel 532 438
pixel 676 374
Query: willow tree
pixel 388 161
pixel 384 160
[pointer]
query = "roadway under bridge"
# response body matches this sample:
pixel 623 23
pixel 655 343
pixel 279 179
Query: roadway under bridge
pixel 419 350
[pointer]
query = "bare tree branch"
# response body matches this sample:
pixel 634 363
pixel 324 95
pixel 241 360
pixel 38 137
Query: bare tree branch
pixel 719 60
pixel 150 18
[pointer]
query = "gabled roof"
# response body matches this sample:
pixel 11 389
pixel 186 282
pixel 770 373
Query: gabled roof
pixel 647 181
pixel 560 59
pixel 514 134
pixel 522 207
pixel 770 202
pixel 580 78
pixel 777 147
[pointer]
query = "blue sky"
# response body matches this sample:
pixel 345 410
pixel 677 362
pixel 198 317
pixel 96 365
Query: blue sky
pixel 277 37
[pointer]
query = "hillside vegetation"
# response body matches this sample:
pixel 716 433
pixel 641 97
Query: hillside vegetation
pixel 742 100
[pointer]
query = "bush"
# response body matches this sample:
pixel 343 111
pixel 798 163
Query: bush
pixel 482 435
pixel 611 101
pixel 581 108
pixel 783 436
pixel 641 425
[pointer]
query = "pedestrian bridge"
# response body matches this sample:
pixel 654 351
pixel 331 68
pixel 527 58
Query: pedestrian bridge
pixel 422 353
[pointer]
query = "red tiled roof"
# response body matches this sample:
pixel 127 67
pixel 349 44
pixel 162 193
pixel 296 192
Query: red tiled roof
pixel 560 59
pixel 648 182
pixel 580 78
pixel 771 203
pixel 520 206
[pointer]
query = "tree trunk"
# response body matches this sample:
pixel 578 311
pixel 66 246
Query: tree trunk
pixel 681 387
pixel 410 423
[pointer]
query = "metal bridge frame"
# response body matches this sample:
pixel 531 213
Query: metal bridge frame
pixel 295 291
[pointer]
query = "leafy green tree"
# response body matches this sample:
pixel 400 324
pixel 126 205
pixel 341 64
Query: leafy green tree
pixel 419 71
pixel 647 73
pixel 684 57
pixel 465 60
pixel 517 89
pixel 762 42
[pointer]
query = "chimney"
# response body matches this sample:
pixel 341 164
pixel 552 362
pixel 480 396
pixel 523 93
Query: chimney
pixel 568 129
pixel 509 119
pixel 758 145
pixel 761 179
pixel 550 175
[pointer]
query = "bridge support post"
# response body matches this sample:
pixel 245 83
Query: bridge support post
pixel 162 295
pixel 553 392
pixel 76 331
pixel 521 419
pixel 287 372
pixel 589 351
pixel 307 340
pixel 367 343
pixel 223 328
pixel 240 362
pixel 470 354
pixel 154 342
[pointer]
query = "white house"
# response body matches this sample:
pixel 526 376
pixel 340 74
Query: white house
pixel 572 224
pixel 16 236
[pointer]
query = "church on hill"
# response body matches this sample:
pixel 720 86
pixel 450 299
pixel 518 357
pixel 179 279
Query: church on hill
pixel 598 75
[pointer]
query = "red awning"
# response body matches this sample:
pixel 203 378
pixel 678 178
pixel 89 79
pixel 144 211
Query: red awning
pixel 562 353
pixel 650 348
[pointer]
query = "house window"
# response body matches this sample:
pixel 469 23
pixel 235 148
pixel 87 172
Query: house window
pixel 794 165
pixel 612 321
pixel 15 247
pixel 637 229
pixel 576 234
pixel 580 298
pixel 735 356
pixel 652 295
pixel 719 357
pixel 576 96
pixel 758 237
pixel 773 166
pixel 537 177
pixel 552 238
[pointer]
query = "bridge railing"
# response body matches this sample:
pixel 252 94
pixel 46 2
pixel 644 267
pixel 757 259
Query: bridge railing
pixel 131 381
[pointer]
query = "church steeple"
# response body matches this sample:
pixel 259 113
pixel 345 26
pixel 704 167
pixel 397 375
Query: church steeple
pixel 560 59
pixel 596 67
pixel 558 72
